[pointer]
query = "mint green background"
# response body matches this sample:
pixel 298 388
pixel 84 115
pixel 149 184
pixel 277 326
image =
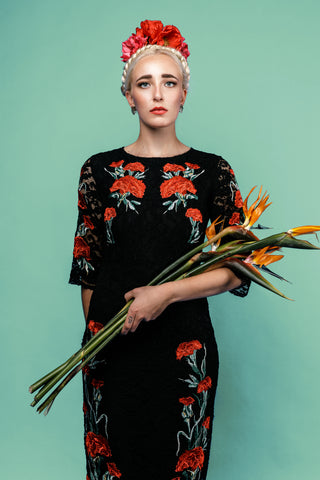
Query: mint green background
pixel 254 99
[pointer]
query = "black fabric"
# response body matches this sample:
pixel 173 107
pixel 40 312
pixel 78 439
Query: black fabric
pixel 149 396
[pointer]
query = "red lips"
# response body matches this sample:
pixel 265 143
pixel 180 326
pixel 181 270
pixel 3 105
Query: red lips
pixel 158 110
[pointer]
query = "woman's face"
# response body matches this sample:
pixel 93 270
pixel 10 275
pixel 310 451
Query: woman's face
pixel 156 90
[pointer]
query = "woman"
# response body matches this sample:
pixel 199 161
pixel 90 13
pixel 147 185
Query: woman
pixel 148 398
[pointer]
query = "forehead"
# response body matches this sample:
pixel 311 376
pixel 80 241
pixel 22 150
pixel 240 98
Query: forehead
pixel 156 64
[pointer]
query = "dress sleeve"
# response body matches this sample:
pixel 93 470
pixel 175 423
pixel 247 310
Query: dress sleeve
pixel 88 241
pixel 227 203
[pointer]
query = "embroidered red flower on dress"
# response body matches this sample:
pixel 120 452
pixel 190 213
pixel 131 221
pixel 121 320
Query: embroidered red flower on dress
pixel 173 167
pixel 231 172
pixel 206 423
pixel 134 167
pixel 195 214
pixel 87 222
pixel 186 400
pixel 84 408
pixel 113 470
pixel 94 327
pixel 191 460
pixel 187 348
pixel 109 213
pixel 81 201
pixel 86 370
pixel 235 218
pixel 176 185
pixel 193 166
pixel 129 184
pixel 97 383
pixel 81 249
pixel 238 199
pixel 204 385
pixel 116 164
pixel 97 445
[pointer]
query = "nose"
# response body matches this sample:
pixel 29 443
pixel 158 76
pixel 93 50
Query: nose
pixel 157 93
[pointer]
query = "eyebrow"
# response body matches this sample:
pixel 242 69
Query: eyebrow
pixel 164 75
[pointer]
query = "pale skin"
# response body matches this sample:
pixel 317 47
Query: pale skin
pixel 157 81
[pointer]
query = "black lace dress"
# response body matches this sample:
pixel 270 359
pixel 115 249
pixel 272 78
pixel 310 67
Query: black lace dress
pixel 149 396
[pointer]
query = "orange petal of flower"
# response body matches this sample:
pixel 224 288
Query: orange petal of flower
pixel 304 230
pixel 211 230
pixel 255 210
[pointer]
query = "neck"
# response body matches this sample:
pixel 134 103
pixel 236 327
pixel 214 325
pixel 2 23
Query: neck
pixel 157 142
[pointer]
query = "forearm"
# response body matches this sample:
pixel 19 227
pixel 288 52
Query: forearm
pixel 86 295
pixel 203 285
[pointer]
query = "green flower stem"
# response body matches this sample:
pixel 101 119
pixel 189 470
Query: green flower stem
pixel 43 381
pixel 87 349
pixel 49 401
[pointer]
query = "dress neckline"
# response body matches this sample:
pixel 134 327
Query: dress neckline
pixel 173 157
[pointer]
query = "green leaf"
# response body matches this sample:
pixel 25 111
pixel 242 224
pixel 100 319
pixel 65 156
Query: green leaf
pixel 252 273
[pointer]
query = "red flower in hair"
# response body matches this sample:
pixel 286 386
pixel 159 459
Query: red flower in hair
pixel 191 460
pixel 94 327
pixel 173 167
pixel 176 185
pixel 152 32
pixel 204 385
pixel 170 37
pixel 87 222
pixel 235 218
pixel 113 470
pixel 238 199
pixel 186 400
pixel 97 445
pixel 206 423
pixel 109 213
pixel 150 29
pixel 81 249
pixel 134 167
pixel 97 383
pixel 187 348
pixel 195 214
pixel 129 184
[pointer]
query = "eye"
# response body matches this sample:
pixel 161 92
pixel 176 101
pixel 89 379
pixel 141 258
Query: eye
pixel 170 83
pixel 143 84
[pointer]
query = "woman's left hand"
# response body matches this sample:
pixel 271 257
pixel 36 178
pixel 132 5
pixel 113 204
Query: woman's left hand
pixel 149 302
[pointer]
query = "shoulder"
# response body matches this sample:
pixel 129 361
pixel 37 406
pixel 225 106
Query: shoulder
pixel 211 160
pixel 103 159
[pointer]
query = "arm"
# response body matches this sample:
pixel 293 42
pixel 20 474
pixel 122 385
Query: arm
pixel 86 295
pixel 149 302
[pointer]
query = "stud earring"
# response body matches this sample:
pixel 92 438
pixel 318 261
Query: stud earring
pixel 181 109
pixel 133 110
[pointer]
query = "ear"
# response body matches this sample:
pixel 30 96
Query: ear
pixel 129 98
pixel 184 96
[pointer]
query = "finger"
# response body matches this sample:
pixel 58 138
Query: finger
pixel 128 295
pixel 128 324
pixel 136 324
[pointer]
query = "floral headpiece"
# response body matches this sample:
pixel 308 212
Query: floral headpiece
pixel 152 32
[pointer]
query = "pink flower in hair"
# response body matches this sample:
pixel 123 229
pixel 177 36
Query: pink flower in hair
pixel 130 46
pixel 184 50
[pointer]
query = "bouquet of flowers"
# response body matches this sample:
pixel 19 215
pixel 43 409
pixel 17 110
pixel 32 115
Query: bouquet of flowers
pixel 241 251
